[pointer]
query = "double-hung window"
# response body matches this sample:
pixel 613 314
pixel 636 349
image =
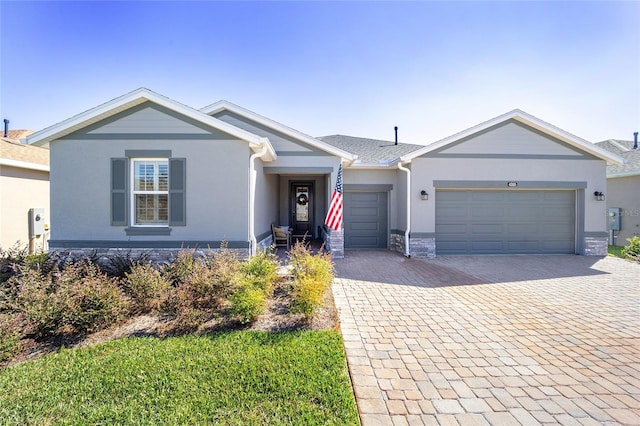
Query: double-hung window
pixel 150 192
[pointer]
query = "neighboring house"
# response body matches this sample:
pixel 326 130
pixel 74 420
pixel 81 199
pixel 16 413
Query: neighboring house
pixel 623 187
pixel 24 184
pixel 144 172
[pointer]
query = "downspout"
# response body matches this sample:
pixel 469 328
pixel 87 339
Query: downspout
pixel 252 197
pixel 407 252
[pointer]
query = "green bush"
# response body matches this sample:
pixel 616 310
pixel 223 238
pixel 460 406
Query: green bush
pixel 147 288
pixel 261 270
pixel 76 299
pixel 312 277
pixel 632 250
pixel 10 335
pixel 248 302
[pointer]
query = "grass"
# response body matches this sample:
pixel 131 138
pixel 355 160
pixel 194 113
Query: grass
pixel 231 378
pixel 616 251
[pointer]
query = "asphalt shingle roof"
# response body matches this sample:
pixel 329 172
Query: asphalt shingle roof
pixel 625 150
pixel 370 151
pixel 12 149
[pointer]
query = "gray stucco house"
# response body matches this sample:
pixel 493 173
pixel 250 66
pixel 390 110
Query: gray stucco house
pixel 623 188
pixel 144 172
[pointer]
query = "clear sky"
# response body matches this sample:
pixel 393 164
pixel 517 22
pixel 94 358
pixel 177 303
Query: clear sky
pixel 354 68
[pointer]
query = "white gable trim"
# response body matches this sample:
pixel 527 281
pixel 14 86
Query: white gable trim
pixel 137 97
pixel 528 120
pixel 23 165
pixel 236 109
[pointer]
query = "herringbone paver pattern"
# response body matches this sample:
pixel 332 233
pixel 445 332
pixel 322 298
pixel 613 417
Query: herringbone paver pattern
pixel 494 340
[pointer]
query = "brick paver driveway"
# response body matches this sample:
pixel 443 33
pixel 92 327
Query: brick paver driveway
pixel 491 339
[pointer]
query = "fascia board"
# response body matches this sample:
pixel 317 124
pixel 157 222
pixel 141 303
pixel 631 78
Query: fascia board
pixel 530 121
pixel 127 101
pixel 23 165
pixel 623 174
pixel 229 106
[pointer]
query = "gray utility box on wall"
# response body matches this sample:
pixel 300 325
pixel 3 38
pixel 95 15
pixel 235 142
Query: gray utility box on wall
pixel 36 222
pixel 614 218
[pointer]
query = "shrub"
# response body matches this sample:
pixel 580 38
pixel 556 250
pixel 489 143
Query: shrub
pixel 248 302
pixel 312 277
pixel 10 335
pixel 632 250
pixel 261 270
pixel 10 260
pixel 203 290
pixel 179 269
pixel 121 264
pixel 76 299
pixel 146 287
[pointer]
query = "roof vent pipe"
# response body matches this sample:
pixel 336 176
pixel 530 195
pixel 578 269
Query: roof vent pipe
pixel 396 130
pixel 6 128
pixel 635 140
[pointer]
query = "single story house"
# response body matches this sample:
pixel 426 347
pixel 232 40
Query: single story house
pixel 623 189
pixel 144 172
pixel 24 185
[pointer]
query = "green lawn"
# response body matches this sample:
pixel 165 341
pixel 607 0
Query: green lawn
pixel 616 251
pixel 233 378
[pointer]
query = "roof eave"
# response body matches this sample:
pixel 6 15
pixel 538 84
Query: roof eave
pixel 236 109
pixel 23 164
pixel 129 100
pixel 530 121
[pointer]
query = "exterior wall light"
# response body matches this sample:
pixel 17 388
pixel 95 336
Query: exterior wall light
pixel 599 195
pixel 424 195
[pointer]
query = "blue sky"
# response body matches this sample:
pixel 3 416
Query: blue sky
pixel 355 68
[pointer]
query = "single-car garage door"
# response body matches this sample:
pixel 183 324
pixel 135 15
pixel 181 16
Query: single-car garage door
pixel 522 221
pixel 365 219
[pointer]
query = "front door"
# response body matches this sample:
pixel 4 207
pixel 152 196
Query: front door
pixel 302 209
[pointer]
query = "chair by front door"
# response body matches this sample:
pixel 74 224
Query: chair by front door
pixel 302 203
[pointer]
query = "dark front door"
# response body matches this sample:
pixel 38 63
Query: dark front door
pixel 302 209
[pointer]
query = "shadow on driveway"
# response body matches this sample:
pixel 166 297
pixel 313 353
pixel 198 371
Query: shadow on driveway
pixel 394 268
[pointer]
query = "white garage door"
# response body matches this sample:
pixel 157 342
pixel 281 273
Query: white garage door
pixel 365 219
pixel 486 222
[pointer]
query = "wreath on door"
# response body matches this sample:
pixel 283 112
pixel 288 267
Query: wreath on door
pixel 302 199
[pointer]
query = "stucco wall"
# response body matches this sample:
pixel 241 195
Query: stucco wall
pixel 624 192
pixel 426 170
pixel 216 175
pixel 267 198
pixel 20 190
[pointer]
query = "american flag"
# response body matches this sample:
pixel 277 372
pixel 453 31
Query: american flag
pixel 334 215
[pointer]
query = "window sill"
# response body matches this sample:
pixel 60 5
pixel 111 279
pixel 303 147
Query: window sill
pixel 148 230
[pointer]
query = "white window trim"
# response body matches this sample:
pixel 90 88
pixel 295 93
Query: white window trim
pixel 133 193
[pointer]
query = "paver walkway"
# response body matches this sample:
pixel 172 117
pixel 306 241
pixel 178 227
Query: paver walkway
pixel 494 340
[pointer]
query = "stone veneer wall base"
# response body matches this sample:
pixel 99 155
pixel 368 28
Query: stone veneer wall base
pixel 156 255
pixel 596 246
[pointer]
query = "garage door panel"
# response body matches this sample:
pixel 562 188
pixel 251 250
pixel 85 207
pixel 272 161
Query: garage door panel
pixel 452 212
pixel 487 212
pixel 486 196
pixel 487 228
pixel 364 226
pixel 366 212
pixel 364 197
pixel 477 221
pixel 365 219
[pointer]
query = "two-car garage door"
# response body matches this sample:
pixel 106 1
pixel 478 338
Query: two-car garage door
pixel 517 221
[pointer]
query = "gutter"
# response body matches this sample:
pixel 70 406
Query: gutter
pixel 253 243
pixel 407 252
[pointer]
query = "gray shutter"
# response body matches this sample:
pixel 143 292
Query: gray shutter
pixel 177 192
pixel 119 191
